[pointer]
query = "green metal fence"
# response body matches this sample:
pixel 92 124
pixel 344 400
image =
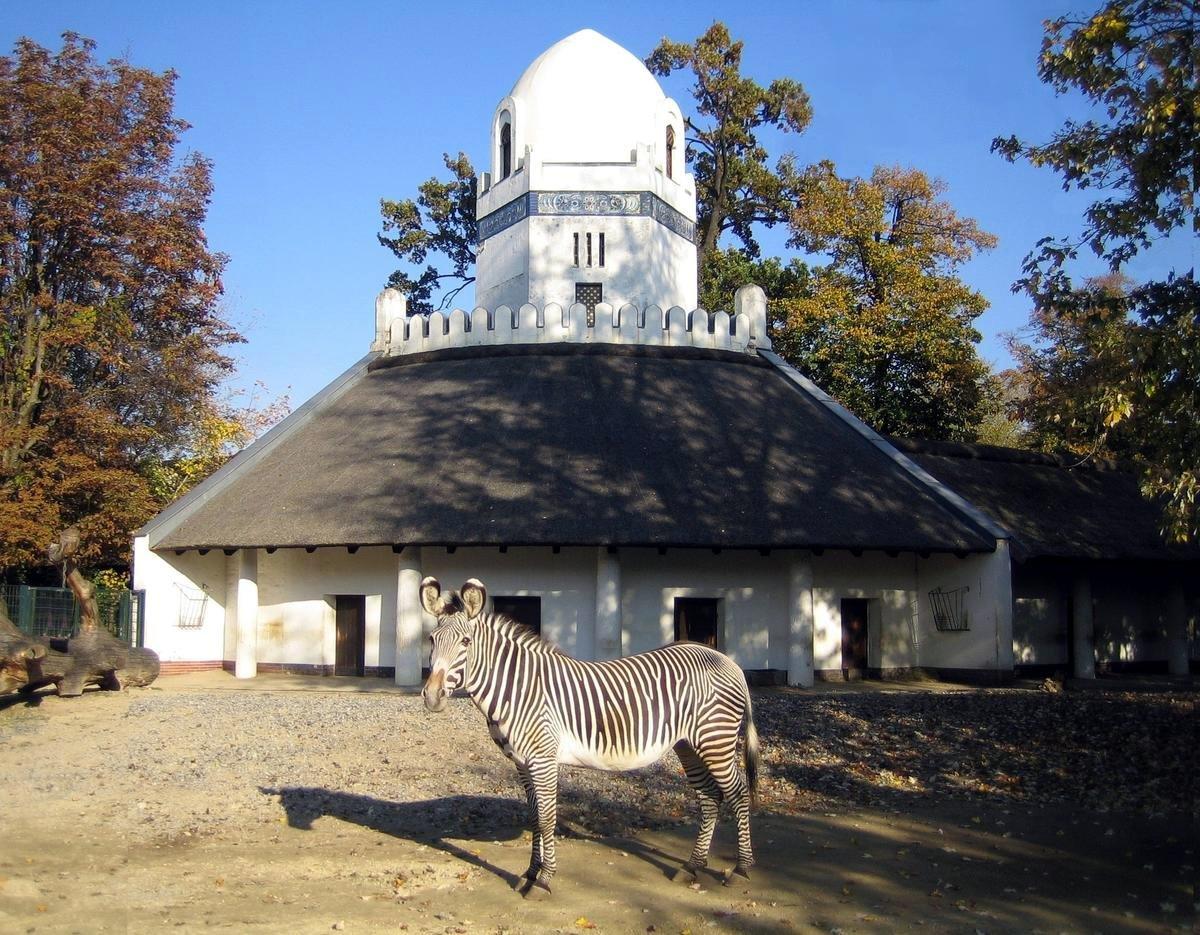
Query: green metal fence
pixel 54 612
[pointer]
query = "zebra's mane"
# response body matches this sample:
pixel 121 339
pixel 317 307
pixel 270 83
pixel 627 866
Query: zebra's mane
pixel 518 633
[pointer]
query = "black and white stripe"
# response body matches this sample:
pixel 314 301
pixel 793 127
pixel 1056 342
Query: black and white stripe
pixel 545 708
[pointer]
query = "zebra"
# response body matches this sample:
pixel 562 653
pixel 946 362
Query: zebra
pixel 544 708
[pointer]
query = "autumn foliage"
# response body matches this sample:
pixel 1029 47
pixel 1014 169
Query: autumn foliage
pixel 111 337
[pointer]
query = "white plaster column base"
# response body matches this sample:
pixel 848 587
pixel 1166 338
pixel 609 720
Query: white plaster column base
pixel 800 623
pixel 1177 641
pixel 608 605
pixel 246 661
pixel 409 617
pixel 1083 639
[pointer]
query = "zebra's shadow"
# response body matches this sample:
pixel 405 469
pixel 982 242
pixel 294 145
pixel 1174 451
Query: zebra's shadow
pixel 439 822
pixel 430 821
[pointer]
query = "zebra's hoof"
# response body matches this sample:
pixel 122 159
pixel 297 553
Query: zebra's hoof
pixel 736 874
pixel 535 890
pixel 684 874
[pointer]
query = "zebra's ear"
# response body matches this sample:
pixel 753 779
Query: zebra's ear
pixel 474 597
pixel 431 593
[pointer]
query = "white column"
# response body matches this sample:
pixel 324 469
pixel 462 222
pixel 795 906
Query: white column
pixel 1177 641
pixel 608 606
pixel 410 643
pixel 1083 640
pixel 800 623
pixel 246 661
pixel 999 582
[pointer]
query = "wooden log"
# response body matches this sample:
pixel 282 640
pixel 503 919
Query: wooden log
pixel 18 653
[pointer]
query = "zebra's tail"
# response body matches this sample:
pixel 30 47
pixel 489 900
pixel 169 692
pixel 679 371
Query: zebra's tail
pixel 751 752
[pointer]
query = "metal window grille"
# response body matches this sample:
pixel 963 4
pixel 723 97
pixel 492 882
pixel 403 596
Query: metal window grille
pixel 192 602
pixel 950 608
pixel 589 295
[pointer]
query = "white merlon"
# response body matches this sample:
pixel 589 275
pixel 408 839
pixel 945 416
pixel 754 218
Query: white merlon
pixel 745 330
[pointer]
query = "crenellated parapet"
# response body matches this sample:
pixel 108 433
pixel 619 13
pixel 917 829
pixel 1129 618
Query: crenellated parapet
pixel 744 330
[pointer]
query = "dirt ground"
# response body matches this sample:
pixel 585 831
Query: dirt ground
pixel 182 807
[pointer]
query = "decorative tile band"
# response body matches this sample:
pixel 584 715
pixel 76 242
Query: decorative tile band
pixel 586 204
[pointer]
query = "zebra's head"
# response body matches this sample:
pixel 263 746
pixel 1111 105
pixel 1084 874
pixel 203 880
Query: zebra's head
pixel 456 615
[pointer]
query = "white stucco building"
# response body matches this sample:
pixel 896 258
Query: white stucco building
pixel 619 467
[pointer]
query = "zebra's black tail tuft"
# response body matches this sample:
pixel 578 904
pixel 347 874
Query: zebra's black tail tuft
pixel 751 752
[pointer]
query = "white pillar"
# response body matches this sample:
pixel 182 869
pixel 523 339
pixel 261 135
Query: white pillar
pixel 410 642
pixel 608 606
pixel 1083 638
pixel 800 623
pixel 1177 638
pixel 246 661
pixel 999 583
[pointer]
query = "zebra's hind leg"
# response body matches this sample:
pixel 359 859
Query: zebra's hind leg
pixel 709 796
pixel 543 779
pixel 729 777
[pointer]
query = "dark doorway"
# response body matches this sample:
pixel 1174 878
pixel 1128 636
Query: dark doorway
pixel 697 619
pixel 351 617
pixel 854 637
pixel 526 610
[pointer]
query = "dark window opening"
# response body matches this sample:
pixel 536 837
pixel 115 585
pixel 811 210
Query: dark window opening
pixel 855 612
pixel 576 249
pixel 505 150
pixel 589 249
pixel 697 620
pixel 589 295
pixel 670 152
pixel 350 621
pixel 601 249
pixel 526 610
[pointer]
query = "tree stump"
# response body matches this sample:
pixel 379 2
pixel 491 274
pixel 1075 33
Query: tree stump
pixel 18 654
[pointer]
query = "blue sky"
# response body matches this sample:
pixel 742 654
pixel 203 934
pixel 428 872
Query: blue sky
pixel 312 113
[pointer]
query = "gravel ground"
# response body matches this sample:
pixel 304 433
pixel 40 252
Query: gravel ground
pixel 999 810
pixel 186 762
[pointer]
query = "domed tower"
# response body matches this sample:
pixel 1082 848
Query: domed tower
pixel 588 198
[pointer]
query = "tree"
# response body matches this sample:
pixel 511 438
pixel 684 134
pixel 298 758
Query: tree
pixel 735 189
pixel 886 325
pixel 111 337
pixel 1135 62
pixel 726 271
pixel 1068 365
pixel 440 223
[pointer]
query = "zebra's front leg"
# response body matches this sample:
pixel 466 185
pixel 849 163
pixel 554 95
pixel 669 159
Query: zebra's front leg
pixel 709 796
pixel 535 858
pixel 543 777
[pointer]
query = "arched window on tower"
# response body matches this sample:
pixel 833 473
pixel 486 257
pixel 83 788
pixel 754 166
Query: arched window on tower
pixel 505 149
pixel 670 152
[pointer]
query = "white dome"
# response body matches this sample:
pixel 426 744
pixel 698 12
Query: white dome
pixel 586 99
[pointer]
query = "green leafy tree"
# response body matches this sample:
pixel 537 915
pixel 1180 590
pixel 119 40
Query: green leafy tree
pixel 886 326
pixel 1070 366
pixel 438 230
pixel 110 329
pixel 735 188
pixel 727 270
pixel 1135 62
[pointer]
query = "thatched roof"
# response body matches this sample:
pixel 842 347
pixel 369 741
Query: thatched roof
pixel 1054 506
pixel 568 445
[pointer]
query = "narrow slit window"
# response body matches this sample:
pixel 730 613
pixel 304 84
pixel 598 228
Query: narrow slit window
pixel 589 249
pixel 505 150
pixel 576 249
pixel 670 152
pixel 602 249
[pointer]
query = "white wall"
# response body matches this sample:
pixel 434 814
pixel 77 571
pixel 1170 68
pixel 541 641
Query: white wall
pixel 889 583
pixel 988 644
pixel 753 591
pixel 176 587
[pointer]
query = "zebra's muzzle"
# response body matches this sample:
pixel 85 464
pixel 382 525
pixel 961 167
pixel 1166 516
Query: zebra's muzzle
pixel 434 693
